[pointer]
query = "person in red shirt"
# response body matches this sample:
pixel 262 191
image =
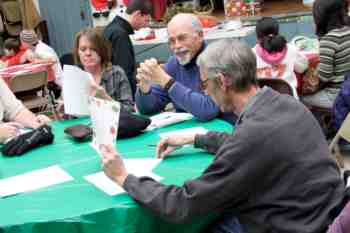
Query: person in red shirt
pixel 14 52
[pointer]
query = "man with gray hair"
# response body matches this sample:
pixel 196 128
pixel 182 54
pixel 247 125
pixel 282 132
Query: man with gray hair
pixel 273 174
pixel 179 81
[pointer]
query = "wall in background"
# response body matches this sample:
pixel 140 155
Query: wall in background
pixel 36 2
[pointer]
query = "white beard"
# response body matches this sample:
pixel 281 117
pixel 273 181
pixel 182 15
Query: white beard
pixel 183 60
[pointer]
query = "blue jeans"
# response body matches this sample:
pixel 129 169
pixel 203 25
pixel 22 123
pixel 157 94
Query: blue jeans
pixel 228 224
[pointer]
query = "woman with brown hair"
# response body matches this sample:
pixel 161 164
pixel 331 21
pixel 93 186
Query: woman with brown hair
pixel 109 82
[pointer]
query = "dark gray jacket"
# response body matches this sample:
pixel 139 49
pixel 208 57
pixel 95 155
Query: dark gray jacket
pixel 118 32
pixel 275 173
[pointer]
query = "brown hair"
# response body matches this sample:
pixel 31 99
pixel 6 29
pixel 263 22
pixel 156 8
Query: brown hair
pixel 329 15
pixel 99 44
pixel 12 44
pixel 144 6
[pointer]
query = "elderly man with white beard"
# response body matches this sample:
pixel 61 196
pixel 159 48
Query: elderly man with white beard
pixel 178 81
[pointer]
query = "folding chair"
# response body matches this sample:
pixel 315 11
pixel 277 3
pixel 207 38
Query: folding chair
pixel 343 132
pixel 30 88
pixel 278 85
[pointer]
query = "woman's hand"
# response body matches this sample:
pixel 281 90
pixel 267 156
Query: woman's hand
pixel 98 91
pixel 9 130
pixel 42 119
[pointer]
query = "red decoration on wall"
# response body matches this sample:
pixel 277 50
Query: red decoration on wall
pixel 100 5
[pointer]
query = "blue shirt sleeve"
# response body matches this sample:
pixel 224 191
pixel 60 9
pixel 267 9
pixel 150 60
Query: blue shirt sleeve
pixel 199 104
pixel 157 99
pixel 153 102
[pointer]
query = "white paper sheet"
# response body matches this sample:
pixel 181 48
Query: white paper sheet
pixel 75 90
pixel 189 131
pixel 168 118
pixel 33 180
pixel 137 167
pixel 105 121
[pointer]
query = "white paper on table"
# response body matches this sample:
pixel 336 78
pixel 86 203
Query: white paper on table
pixel 168 118
pixel 137 167
pixel 181 132
pixel 33 180
pixel 105 121
pixel 75 90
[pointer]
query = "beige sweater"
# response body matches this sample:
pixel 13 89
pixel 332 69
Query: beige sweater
pixel 10 106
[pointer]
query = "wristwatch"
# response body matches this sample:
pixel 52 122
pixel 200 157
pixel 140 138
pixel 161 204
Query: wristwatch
pixel 169 84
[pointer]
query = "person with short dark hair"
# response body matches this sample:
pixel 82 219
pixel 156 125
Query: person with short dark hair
pixel 12 45
pixel 275 173
pixel 14 53
pixel 333 32
pixel 138 14
pixel 275 57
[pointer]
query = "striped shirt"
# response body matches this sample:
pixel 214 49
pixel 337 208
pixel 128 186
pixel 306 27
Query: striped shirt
pixel 334 55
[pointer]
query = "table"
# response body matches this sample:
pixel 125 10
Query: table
pixel 11 71
pixel 78 206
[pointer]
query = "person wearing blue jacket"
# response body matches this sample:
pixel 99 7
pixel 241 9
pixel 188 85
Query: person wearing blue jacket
pixel 178 81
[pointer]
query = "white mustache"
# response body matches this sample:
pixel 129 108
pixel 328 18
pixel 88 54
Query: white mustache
pixel 181 50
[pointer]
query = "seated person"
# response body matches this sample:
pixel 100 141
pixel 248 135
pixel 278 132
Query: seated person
pixel 39 52
pixel 14 53
pixel 341 109
pixel 179 81
pixel 273 174
pixel 109 81
pixel 14 115
pixel 333 32
pixel 275 58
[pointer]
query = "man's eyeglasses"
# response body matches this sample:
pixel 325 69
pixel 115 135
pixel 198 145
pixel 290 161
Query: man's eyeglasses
pixel 204 83
pixel 102 13
pixel 180 38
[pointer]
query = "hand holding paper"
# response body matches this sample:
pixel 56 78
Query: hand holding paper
pixel 113 165
pixel 137 167
pixel 105 121
pixel 96 90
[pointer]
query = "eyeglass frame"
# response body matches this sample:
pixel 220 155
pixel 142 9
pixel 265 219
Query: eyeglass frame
pixel 171 41
pixel 218 70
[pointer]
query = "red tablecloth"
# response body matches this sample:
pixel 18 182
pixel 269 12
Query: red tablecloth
pixel 7 73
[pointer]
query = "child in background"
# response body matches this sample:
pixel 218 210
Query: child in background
pixel 14 53
pixel 39 52
pixel 276 58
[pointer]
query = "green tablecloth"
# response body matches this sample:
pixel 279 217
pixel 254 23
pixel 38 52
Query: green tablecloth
pixel 78 206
